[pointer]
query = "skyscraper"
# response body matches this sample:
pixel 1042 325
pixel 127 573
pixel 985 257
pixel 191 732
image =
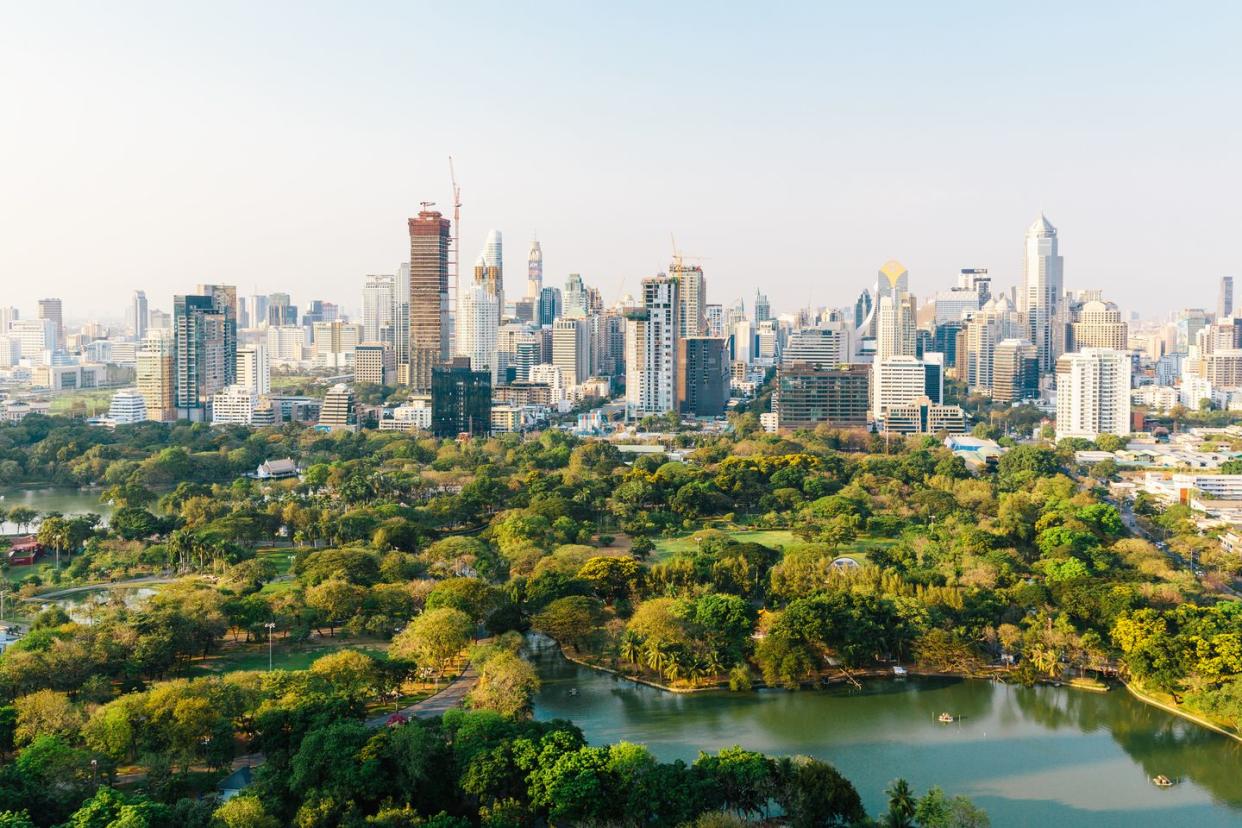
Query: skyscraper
pixel 401 322
pixel 534 271
pixel 141 315
pixel 155 375
pixel 281 310
pixel 493 273
pixel 651 348
pixel 203 362
pixel 575 297
pixel 478 321
pixel 429 322
pixel 1097 324
pixel 52 309
pixel 1015 371
pixel 1224 304
pixel 461 400
pixel 1093 393
pixel 571 350
pixel 379 298
pixel 763 310
pixel 692 294
pixel 1042 286
pixel 894 330
pixel 703 375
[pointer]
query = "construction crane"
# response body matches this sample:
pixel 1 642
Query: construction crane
pixel 455 248
pixel 679 256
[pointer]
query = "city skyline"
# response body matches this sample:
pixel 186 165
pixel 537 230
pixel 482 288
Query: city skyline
pixel 884 163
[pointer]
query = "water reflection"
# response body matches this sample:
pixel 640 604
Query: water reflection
pixel 1032 756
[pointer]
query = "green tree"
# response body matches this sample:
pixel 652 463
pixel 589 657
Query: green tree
pixel 433 639
pixel 573 620
pixel 507 684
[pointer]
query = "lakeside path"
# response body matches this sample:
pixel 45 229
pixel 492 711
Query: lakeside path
pixel 453 695
pixel 146 580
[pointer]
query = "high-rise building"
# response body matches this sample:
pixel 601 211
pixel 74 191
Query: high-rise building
pixel 651 349
pixel 894 317
pixel 1093 393
pixel 534 271
pixel 1042 286
pixel 1189 322
pixel 401 322
pixel 461 400
pixel 1224 303
pixel 281 310
pixel 478 323
pixel 429 317
pixel 862 312
pixel 8 315
pixel 944 341
pixel 141 315
pixel 53 310
pixel 155 375
pixel 37 337
pixel 571 350
pixel 374 364
pixel 549 305
pixel 254 369
pixel 338 412
pixel 692 294
pixel 763 310
pixel 714 320
pixel 828 345
pixel 286 343
pixel 1015 371
pixel 808 394
pixel 490 270
pixel 575 297
pixel 379 300
pixel 1098 324
pixel 996 321
pixel 204 349
pixel 896 380
pixel 703 375
pixel 976 279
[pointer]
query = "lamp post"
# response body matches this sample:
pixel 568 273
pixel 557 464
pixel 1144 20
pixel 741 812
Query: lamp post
pixel 271 625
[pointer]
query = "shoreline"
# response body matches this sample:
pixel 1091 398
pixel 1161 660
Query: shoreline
pixel 881 673
pixel 1177 711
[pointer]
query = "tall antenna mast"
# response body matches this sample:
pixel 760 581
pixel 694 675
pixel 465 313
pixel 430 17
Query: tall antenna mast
pixel 454 249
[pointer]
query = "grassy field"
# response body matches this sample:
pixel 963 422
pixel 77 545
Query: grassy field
pixel 84 403
pixel 775 538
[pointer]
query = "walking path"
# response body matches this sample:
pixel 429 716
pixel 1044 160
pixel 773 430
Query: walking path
pixel 146 580
pixel 451 696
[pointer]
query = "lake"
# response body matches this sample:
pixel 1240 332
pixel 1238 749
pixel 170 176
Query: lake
pixel 67 501
pixel 1029 755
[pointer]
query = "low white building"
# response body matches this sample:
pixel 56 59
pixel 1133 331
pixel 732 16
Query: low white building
pixel 234 405
pixel 128 406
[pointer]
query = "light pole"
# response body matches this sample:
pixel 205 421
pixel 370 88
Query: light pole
pixel 271 625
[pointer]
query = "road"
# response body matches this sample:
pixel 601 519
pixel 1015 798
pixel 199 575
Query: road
pixel 1131 522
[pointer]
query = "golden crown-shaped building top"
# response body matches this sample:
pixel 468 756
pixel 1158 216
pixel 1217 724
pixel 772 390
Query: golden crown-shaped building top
pixel 892 270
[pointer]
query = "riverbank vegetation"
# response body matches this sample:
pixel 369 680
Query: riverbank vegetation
pixel 782 559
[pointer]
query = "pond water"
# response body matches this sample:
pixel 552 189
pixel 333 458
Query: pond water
pixel 81 606
pixel 67 501
pixel 1028 755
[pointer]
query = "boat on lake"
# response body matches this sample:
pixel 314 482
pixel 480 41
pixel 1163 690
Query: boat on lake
pixel 1162 781
pixel 946 718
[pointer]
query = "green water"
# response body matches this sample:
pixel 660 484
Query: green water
pixel 1030 756
pixel 67 501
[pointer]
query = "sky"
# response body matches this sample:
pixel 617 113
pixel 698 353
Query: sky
pixel 795 147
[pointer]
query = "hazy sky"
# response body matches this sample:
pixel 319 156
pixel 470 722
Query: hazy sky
pixel 795 146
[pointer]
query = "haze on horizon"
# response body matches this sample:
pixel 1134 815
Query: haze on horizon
pixel 282 145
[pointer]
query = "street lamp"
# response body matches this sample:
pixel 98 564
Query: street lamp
pixel 271 625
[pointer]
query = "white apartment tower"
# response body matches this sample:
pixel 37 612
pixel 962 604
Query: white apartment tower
pixel 478 323
pixel 1093 393
pixel 571 350
pixel 651 349
pixel 254 369
pixel 692 294
pixel 1042 285
pixel 895 327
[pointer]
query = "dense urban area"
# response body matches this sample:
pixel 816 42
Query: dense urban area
pixel 320 555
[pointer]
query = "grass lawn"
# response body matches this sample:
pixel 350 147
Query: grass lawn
pixel 88 403
pixel 775 538
pixel 285 655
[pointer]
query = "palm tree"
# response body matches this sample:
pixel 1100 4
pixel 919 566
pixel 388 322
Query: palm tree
pixel 631 649
pixel 901 805
pixel 675 668
pixel 697 669
pixel 656 657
